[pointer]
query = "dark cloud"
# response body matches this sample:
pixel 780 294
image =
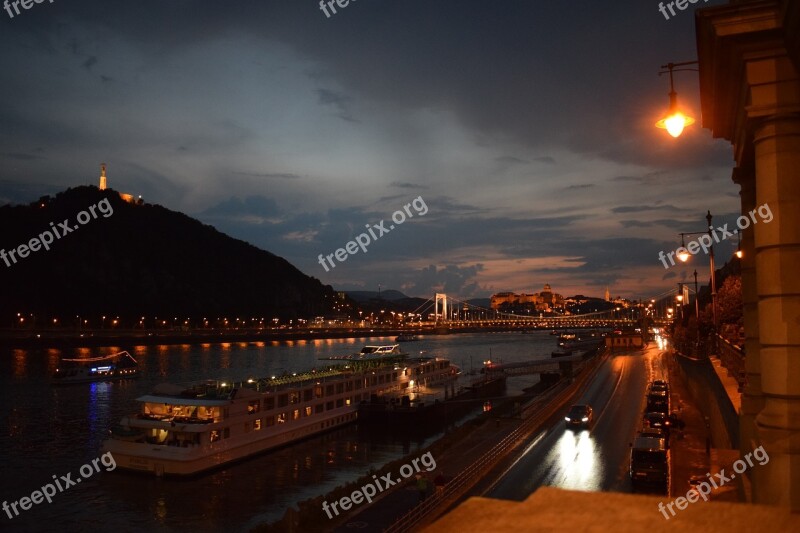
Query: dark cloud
pixel 392 197
pixel 338 101
pixel 663 223
pixel 20 156
pixel 270 175
pixel 640 208
pixel 407 185
pixel 510 160
pixel 252 205
pixel 450 279
pixel 220 112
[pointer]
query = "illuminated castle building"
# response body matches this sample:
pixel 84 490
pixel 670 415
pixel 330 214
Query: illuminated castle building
pixel 545 301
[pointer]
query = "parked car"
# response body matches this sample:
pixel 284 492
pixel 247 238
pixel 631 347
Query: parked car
pixel 658 385
pixel 579 416
pixel 649 463
pixel 655 433
pixel 658 402
pixel 660 421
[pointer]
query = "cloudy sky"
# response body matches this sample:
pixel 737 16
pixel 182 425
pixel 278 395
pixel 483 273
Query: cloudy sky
pixel 525 126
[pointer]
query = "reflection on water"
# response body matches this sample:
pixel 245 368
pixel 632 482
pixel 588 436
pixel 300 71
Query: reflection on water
pixel 20 360
pixel 55 430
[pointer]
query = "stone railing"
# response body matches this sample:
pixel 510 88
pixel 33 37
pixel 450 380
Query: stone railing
pixel 732 358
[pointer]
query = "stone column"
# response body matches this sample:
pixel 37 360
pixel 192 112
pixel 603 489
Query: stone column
pixel 750 94
pixel 752 397
pixel 775 116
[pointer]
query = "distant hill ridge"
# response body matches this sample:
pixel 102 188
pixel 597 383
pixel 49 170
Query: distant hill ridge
pixel 363 296
pixel 145 260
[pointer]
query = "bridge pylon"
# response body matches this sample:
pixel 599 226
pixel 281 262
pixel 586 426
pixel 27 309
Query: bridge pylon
pixel 440 297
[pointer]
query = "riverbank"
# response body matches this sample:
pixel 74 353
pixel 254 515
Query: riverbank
pixel 244 493
pixel 61 339
pixel 103 338
pixel 310 516
pixel 464 456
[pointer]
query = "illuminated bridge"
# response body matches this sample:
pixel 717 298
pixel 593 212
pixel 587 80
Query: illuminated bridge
pixel 453 314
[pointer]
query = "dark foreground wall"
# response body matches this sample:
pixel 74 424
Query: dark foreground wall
pixel 709 394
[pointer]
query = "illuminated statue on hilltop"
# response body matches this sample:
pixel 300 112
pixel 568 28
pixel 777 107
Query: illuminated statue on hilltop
pixel 102 176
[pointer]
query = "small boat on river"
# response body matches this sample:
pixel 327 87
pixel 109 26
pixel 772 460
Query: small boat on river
pixel 120 365
pixel 370 352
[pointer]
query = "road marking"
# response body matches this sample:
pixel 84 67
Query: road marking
pixel 519 458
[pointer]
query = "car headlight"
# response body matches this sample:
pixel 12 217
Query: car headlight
pixel 566 418
pixel 585 419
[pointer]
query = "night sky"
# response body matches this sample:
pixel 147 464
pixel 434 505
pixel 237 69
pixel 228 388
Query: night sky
pixel 525 126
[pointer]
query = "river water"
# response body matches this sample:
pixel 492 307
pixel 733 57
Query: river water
pixel 48 431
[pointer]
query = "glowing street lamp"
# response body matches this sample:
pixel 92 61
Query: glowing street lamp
pixel 675 121
pixel 683 253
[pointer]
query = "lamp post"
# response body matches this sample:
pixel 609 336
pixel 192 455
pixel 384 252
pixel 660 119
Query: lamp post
pixel 696 309
pixel 684 256
pixel 675 121
pixel 713 274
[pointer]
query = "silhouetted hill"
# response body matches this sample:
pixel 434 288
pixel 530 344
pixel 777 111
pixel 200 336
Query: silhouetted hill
pixel 144 260
pixel 591 305
pixel 392 300
pixel 486 303
pixel 401 305
pixel 364 296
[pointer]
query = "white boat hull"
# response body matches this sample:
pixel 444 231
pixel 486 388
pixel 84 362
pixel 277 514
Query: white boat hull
pixel 174 461
pixel 187 431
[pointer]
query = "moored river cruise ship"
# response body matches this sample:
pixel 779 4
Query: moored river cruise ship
pixel 186 430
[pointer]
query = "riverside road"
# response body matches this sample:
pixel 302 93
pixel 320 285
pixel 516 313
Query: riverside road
pixel 595 460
